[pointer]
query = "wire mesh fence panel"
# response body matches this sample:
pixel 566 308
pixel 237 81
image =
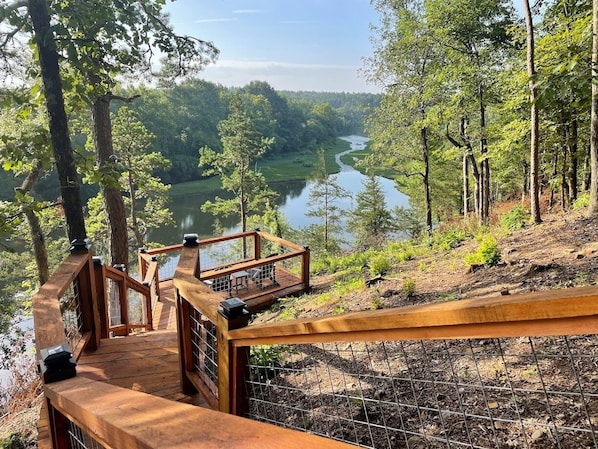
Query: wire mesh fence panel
pixel 167 264
pixel 222 254
pixel 114 309
pixel 535 392
pixel 79 439
pixel 136 307
pixel 204 349
pixel 70 308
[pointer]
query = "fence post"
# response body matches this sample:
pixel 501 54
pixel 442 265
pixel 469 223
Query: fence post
pixel 257 245
pixel 305 267
pixel 122 296
pixel 90 317
pixel 233 314
pixel 102 297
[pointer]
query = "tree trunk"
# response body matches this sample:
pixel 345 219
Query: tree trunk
pixel 35 230
pixel 485 163
pixel 465 187
pixel 593 206
pixel 426 178
pixel 534 117
pixel 59 132
pixel 134 225
pixel 573 165
pixel 113 201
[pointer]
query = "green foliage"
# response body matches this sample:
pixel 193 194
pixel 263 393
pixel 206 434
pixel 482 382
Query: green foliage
pixel 379 265
pixel 515 218
pixel 488 252
pixel 408 288
pixel 371 222
pixel 582 201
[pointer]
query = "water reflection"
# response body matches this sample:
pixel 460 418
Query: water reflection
pixel 293 197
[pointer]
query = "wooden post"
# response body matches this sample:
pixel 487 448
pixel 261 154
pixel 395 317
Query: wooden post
pixel 90 318
pixel 233 314
pixel 101 296
pixel 185 349
pixel 257 245
pixel 305 267
pixel 122 297
pixel 58 425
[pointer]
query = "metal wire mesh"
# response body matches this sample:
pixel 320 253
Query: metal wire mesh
pixel 70 308
pixel 486 393
pixel 136 306
pixel 225 253
pixel 79 439
pixel 114 309
pixel 167 264
pixel 204 349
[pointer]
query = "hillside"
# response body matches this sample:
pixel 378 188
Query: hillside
pixel 561 252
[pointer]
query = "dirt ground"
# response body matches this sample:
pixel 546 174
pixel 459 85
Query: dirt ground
pixel 561 252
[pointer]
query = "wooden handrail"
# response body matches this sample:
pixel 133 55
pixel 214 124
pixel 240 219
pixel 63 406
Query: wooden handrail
pixel 105 412
pixel 165 249
pixel 47 317
pixel 560 312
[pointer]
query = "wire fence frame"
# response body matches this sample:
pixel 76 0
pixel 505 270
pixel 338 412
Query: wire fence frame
pixel 529 392
pixel 79 439
pixel 70 308
pixel 204 346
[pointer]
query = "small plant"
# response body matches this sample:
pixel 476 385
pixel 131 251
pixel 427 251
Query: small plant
pixel 515 218
pixel 339 309
pixel 376 304
pixel 266 359
pixel 379 265
pixel 487 254
pixel 582 201
pixel 408 288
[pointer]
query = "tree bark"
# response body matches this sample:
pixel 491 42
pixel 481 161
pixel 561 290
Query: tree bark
pixel 573 165
pixel 484 164
pixel 534 117
pixel 113 201
pixel 59 131
pixel 593 206
pixel 35 230
pixel 426 178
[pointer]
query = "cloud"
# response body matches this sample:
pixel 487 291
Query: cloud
pixel 247 11
pixel 288 76
pixel 223 19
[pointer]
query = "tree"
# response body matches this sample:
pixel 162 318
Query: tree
pixel 103 40
pixel 242 144
pixel 406 60
pixel 324 196
pixel 593 206
pixel 534 119
pixel 371 221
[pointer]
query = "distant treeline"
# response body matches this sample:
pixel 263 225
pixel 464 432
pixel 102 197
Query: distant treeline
pixel 184 118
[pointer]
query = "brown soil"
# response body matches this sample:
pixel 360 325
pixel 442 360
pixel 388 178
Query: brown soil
pixel 561 252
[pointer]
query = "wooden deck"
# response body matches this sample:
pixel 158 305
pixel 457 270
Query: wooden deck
pixel 145 361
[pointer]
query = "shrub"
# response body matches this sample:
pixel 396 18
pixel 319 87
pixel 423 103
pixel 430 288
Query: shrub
pixel 488 253
pixel 515 218
pixel 409 288
pixel 379 265
pixel 582 201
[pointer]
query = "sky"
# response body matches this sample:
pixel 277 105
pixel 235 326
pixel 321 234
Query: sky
pixel 316 45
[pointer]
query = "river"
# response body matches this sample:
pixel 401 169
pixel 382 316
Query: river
pixel 292 200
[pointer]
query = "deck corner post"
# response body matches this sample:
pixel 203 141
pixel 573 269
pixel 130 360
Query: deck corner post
pixel 101 296
pixel 305 260
pixel 232 314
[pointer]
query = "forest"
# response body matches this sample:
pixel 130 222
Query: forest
pixel 483 101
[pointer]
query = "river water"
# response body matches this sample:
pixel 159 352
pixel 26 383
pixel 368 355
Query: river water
pixel 292 201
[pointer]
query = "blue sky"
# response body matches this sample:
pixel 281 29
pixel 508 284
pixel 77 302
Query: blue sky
pixel 293 45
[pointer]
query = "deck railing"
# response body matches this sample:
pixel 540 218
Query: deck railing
pixel 207 274
pixel 84 413
pixel 486 373
pixel 516 371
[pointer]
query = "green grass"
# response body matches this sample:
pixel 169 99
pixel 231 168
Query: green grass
pixel 297 166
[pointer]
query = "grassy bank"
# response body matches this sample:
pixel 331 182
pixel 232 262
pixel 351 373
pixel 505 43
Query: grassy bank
pixel 296 166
